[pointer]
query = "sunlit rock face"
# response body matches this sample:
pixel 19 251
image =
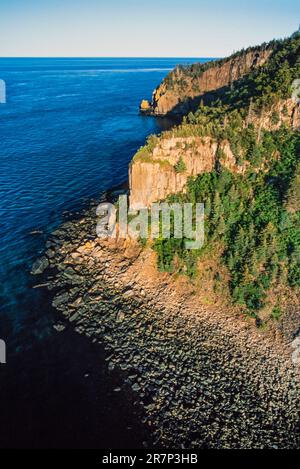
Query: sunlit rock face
pixel 155 177
pixel 159 177
pixel 183 88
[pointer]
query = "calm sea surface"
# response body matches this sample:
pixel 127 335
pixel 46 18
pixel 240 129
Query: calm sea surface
pixel 67 133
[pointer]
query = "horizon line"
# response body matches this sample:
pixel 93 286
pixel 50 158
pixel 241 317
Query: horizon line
pixel 111 57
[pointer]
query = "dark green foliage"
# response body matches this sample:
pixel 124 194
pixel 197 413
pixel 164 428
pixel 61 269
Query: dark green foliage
pixel 255 217
pixel 249 216
pixel 265 85
pixel 270 83
pixel 293 195
pixel 180 166
pixel 276 313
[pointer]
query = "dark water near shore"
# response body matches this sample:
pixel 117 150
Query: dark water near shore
pixel 67 133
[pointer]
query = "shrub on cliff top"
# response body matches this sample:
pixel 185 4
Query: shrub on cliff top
pixel 249 216
pixel 180 166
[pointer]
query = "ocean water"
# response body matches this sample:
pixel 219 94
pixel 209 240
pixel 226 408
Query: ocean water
pixel 67 133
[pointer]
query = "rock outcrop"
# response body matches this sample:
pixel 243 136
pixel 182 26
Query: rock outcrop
pixel 203 368
pixel 159 177
pixel 285 112
pixel 182 90
pixel 155 177
pixel 145 105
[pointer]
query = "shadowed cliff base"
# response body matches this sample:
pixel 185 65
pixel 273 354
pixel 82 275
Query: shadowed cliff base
pixel 184 87
pixel 189 104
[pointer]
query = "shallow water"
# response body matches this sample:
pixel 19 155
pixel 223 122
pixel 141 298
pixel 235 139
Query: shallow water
pixel 67 133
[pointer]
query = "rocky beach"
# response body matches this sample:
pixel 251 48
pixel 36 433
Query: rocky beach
pixel 200 376
pixel 150 221
pixel 205 343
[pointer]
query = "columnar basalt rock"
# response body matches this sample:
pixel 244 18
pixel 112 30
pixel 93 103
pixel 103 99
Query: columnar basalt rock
pixel 178 359
pixel 182 88
pixel 155 177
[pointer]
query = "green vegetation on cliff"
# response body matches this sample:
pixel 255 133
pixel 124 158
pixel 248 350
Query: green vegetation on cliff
pixel 274 78
pixel 258 90
pixel 253 219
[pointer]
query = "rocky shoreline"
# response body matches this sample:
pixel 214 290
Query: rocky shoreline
pixel 201 377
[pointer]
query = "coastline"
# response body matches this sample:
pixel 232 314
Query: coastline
pixel 199 378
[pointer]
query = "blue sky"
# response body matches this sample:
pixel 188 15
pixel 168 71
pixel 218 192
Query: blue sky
pixel 157 28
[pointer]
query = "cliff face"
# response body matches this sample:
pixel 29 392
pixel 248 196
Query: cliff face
pixel 252 216
pixel 157 178
pixel 154 178
pixel 283 113
pixel 183 88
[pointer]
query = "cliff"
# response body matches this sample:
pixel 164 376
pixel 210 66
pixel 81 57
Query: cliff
pixel 184 88
pixel 238 152
pixel 155 172
pixel 155 179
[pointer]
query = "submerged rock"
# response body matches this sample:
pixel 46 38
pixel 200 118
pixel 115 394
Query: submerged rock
pixel 59 327
pixel 39 266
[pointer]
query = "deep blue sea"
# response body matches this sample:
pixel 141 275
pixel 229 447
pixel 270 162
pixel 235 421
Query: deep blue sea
pixel 67 133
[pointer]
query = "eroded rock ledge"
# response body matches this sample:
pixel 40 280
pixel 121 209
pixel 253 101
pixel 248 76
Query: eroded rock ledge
pixel 154 179
pixel 183 89
pixel 202 379
pixel 153 175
